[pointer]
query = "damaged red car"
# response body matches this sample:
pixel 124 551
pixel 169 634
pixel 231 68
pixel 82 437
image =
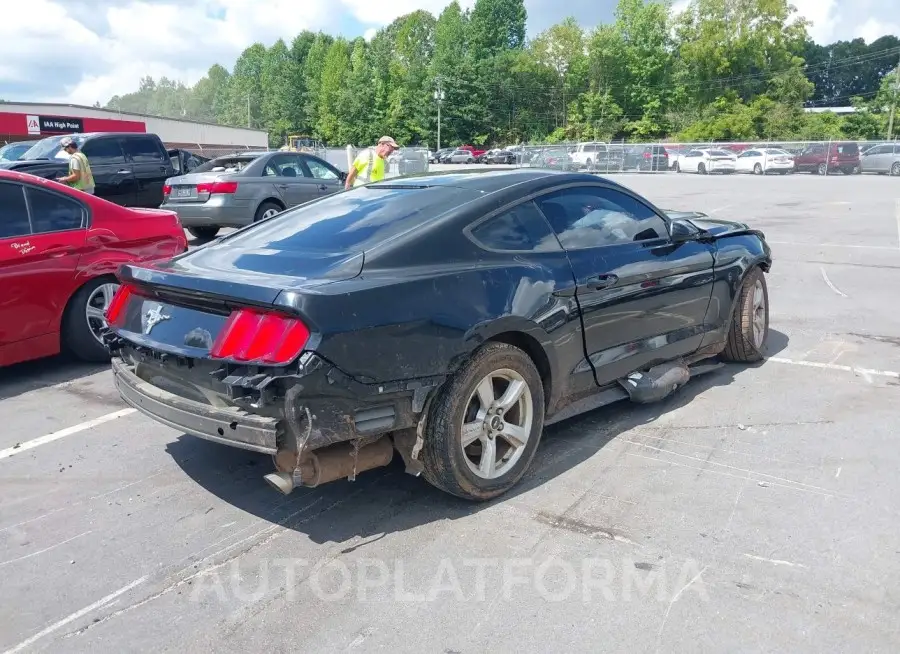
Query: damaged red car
pixel 444 317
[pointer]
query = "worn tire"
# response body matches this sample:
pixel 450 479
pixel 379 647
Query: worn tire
pixel 77 339
pixel 203 233
pixel 740 346
pixel 443 458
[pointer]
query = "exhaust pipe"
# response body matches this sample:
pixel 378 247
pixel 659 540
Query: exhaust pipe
pixel 329 464
pixel 281 481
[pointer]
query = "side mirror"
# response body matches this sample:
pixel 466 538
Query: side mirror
pixel 681 231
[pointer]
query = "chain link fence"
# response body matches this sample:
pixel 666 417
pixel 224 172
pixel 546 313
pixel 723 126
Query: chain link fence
pixel 823 157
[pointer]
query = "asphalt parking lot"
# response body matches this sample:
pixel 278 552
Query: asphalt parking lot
pixel 755 510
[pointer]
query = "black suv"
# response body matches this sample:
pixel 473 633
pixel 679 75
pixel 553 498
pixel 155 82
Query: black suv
pixel 647 157
pixel 129 168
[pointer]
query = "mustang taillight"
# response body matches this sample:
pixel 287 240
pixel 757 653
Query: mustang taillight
pixel 260 337
pixel 115 312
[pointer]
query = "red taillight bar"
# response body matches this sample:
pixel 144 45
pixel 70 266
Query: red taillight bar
pixel 251 336
pixel 167 189
pixel 115 312
pixel 217 187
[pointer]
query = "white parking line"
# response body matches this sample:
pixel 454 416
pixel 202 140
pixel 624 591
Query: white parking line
pixel 74 616
pixel 830 285
pixel 833 366
pixel 62 433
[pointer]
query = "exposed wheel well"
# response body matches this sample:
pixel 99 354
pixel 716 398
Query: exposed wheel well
pixel 273 201
pixel 535 352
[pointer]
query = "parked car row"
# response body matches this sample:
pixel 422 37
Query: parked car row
pixel 816 158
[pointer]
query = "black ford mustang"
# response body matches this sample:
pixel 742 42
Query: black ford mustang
pixel 447 317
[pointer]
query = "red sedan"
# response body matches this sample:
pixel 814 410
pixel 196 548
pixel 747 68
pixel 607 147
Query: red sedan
pixel 59 252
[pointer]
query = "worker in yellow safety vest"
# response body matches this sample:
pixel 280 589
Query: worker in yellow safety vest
pixel 80 175
pixel 369 164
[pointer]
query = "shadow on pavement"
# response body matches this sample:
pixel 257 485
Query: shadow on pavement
pixel 387 500
pixel 42 373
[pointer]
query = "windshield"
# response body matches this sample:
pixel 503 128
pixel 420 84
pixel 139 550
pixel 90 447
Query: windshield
pixel 48 148
pixel 13 151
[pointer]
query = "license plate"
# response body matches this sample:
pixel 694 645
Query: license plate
pixel 183 192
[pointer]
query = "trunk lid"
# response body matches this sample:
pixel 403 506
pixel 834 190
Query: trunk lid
pixel 195 187
pixel 183 303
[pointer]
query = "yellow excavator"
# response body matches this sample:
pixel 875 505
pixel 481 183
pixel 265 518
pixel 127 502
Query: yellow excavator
pixel 303 143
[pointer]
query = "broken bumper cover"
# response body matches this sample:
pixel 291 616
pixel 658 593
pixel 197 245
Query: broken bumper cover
pixel 229 426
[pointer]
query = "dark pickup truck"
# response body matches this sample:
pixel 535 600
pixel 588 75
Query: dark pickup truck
pixel 129 168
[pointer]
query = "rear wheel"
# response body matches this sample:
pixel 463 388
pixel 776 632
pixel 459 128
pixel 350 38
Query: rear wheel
pixel 203 233
pixel 485 424
pixel 821 169
pixel 267 210
pixel 750 322
pixel 85 319
pixel 701 168
pixel 895 169
pixel 757 170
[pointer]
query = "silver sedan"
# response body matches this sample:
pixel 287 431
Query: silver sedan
pixel 238 189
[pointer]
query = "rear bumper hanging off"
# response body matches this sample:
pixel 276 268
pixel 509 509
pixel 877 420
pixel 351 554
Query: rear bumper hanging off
pixel 229 426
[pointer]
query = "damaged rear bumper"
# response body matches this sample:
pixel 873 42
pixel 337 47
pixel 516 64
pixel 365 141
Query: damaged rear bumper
pixel 229 426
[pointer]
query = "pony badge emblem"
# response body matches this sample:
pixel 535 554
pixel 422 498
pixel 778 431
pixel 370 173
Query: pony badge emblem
pixel 153 317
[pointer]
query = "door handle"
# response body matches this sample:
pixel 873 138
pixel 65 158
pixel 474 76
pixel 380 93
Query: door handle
pixel 281 185
pixel 123 172
pixel 56 251
pixel 323 187
pixel 600 282
pixel 162 169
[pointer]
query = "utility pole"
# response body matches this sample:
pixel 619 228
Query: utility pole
pixel 439 97
pixel 248 111
pixel 894 101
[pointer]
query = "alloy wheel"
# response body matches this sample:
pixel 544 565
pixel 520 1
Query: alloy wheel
pixel 759 315
pixel 895 169
pixel 95 309
pixel 268 213
pixel 497 424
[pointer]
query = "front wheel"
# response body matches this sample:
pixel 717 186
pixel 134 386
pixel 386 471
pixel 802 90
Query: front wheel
pixel 484 426
pixel 757 170
pixel 701 169
pixel 85 320
pixel 895 169
pixel 750 322
pixel 821 169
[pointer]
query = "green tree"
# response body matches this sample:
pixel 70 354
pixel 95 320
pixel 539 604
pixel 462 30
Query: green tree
pixel 330 91
pixel 278 95
pixel 313 68
pixel 497 25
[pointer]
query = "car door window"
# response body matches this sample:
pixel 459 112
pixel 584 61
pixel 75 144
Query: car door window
pixel 14 216
pixel 521 229
pixel 53 212
pixel 319 170
pixel 284 165
pixel 104 151
pixel 592 217
pixel 143 149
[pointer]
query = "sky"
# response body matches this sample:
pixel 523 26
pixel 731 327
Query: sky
pixel 86 51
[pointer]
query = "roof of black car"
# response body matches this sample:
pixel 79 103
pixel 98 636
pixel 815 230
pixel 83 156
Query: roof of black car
pixel 485 181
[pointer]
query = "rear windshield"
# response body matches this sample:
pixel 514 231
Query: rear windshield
pixel 225 164
pixel 352 221
pixel 847 148
pixel 719 153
